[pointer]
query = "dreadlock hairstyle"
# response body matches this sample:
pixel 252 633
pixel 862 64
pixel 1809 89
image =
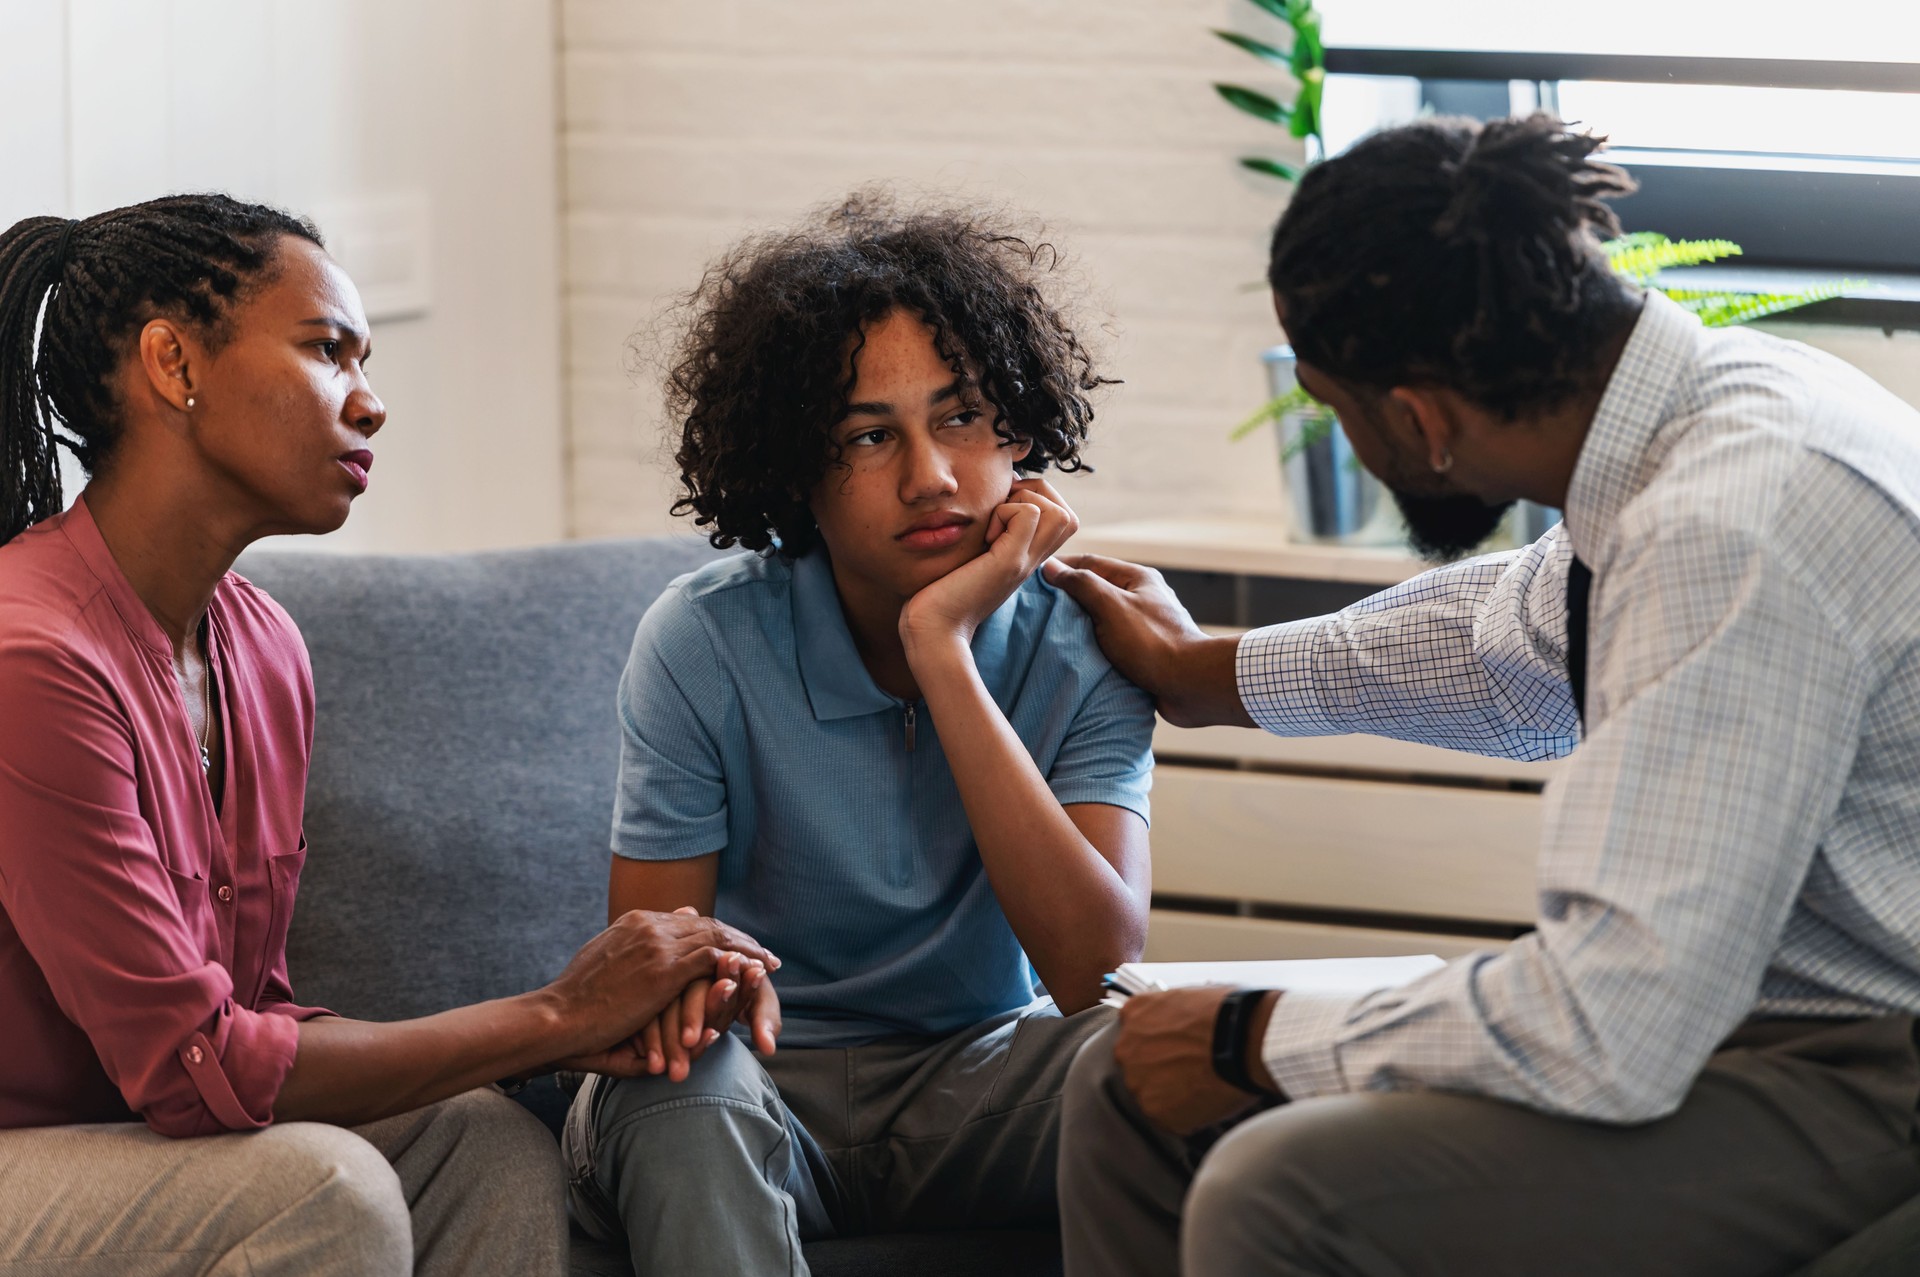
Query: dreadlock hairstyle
pixel 101 279
pixel 1458 254
pixel 760 369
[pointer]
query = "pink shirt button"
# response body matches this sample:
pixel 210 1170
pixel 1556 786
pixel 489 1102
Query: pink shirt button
pixel 195 1055
pixel 225 893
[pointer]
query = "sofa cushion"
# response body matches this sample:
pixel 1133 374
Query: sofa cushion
pixel 461 798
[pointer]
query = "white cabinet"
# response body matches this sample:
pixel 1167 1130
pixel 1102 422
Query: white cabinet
pixel 1351 846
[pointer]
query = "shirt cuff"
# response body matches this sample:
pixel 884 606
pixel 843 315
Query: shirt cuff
pixel 239 1069
pixel 1299 1049
pixel 1273 672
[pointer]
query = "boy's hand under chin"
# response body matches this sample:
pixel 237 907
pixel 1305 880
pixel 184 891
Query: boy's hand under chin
pixel 1024 532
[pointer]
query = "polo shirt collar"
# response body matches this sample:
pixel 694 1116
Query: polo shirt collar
pixel 835 678
pixel 1619 458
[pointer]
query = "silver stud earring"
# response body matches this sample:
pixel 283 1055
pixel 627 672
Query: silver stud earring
pixel 189 403
pixel 1439 467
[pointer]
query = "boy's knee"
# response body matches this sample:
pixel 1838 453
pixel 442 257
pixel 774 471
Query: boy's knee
pixel 727 1072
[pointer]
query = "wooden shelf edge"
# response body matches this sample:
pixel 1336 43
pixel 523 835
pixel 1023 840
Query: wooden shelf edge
pixel 1247 547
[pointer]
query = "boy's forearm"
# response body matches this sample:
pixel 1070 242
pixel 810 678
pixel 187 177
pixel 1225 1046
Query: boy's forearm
pixel 1074 912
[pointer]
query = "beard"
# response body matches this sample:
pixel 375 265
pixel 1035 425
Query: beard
pixel 1442 529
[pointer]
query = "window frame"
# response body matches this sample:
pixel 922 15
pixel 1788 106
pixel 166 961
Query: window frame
pixel 1797 218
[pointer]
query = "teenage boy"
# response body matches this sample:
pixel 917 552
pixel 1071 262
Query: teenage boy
pixel 882 743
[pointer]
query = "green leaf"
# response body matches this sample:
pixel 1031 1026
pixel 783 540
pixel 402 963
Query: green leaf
pixel 1265 52
pixel 1276 410
pixel 1306 109
pixel 1277 8
pixel 1258 105
pixel 1724 310
pixel 1312 430
pixel 1641 257
pixel 1272 168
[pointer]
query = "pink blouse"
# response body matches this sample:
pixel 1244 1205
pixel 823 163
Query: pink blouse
pixel 143 964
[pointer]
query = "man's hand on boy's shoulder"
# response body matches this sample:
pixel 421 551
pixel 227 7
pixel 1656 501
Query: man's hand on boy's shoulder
pixel 1149 636
pixel 1024 532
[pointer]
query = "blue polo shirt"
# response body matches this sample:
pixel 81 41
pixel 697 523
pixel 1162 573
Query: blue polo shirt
pixel 750 727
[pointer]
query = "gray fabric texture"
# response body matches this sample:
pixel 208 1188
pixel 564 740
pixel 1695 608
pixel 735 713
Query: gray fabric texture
pixel 461 797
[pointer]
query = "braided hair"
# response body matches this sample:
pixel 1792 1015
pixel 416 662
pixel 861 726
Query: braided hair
pixel 1458 254
pixel 100 280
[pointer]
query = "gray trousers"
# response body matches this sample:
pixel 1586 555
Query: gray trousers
pixel 730 1170
pixel 472 1185
pixel 1798 1134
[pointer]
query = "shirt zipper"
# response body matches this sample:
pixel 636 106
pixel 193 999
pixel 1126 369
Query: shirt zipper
pixel 908 718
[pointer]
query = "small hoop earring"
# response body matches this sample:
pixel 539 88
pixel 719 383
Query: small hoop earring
pixel 1439 467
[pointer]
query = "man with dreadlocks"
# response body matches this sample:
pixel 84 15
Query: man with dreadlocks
pixel 166 1107
pixel 1701 1061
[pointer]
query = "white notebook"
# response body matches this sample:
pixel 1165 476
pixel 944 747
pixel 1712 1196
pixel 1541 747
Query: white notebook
pixel 1304 975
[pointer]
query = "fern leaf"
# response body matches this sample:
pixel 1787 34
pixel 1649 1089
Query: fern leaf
pixel 1632 239
pixel 1744 308
pixel 1274 411
pixel 1642 261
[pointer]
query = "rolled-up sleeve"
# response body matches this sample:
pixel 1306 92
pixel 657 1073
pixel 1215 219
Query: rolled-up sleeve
pixel 96 907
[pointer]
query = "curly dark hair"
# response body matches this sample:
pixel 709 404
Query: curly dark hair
pixel 1458 254
pixel 762 366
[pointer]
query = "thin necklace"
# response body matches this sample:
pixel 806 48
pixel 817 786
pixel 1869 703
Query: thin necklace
pixel 206 701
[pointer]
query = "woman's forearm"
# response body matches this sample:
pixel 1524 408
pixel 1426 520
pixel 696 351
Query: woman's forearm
pixel 353 1071
pixel 1078 910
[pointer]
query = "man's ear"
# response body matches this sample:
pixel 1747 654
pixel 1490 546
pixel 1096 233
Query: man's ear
pixel 1021 447
pixel 168 356
pixel 1417 411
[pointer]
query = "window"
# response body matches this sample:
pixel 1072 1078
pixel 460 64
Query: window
pixel 1793 130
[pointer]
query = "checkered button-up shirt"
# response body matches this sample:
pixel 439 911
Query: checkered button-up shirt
pixel 1738 834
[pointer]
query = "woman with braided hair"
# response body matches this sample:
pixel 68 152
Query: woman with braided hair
pixel 205 362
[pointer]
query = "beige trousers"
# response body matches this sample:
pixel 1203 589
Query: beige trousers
pixel 472 1185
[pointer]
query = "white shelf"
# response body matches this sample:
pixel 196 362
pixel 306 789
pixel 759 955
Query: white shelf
pixel 1247 546
pixel 1374 754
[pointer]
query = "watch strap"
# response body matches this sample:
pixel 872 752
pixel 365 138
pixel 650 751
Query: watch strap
pixel 1230 1029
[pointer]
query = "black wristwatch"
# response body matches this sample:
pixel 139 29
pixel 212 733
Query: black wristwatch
pixel 1230 1030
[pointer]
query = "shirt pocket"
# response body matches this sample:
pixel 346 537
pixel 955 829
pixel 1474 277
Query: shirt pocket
pixel 283 883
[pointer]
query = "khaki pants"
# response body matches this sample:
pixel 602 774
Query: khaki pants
pixel 472 1185
pixel 1797 1134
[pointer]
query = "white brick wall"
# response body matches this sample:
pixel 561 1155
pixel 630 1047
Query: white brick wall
pixel 685 123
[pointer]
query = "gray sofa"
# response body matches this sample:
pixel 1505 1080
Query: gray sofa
pixel 461 797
